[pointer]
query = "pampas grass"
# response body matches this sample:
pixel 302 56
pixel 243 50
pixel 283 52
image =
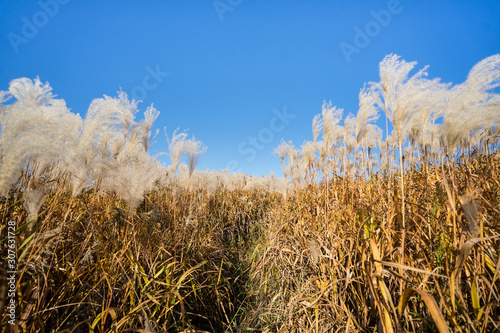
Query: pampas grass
pixel 334 245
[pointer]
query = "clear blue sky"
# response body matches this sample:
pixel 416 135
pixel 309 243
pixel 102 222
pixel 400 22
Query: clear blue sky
pixel 230 63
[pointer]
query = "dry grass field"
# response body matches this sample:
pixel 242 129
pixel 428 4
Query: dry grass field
pixel 360 235
pixel 324 260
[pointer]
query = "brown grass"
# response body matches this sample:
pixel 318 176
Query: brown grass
pixel 324 260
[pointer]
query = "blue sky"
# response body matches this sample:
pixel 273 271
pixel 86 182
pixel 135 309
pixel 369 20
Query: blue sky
pixel 239 74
